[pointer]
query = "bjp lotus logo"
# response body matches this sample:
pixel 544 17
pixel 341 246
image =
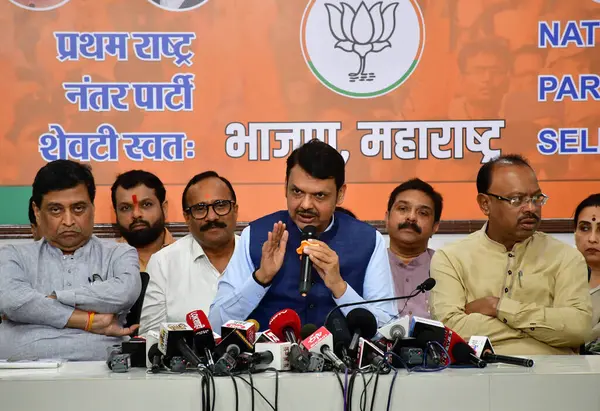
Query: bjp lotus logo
pixel 362 48
pixel 362 31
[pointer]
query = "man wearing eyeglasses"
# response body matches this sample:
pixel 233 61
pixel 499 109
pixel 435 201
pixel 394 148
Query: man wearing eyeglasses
pixel 524 289
pixel 184 275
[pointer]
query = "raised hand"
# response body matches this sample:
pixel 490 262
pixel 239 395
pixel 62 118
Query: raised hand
pixel 273 252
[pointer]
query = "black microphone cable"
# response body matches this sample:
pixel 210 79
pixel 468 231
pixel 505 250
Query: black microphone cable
pixel 235 389
pixel 389 401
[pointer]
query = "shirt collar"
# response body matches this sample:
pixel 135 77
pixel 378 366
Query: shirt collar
pixel 501 247
pixel 421 259
pixel 57 251
pixel 198 251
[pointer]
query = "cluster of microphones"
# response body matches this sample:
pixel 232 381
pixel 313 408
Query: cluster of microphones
pixel 344 343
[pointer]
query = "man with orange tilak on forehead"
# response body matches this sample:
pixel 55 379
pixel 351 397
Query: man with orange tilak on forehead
pixel 139 200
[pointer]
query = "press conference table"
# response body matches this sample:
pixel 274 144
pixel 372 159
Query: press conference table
pixel 554 383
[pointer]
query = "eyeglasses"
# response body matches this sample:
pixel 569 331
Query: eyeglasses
pixel 200 210
pixel 537 200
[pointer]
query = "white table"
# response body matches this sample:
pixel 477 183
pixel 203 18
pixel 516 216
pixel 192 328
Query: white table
pixel 569 383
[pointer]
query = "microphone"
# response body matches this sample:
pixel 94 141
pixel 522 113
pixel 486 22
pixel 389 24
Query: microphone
pixel 425 286
pixel 280 353
pixel 463 354
pixel 175 340
pixel 307 330
pixel 321 342
pixel 361 323
pixel 204 341
pixel 228 360
pixel 338 327
pixel 370 355
pixel 256 324
pixel 396 330
pixel 506 359
pixel 155 358
pixel 286 325
pixel 484 350
pixel 267 337
pixel 309 232
pixel 245 328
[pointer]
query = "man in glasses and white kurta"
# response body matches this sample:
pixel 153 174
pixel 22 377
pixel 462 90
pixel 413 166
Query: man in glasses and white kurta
pixel 184 275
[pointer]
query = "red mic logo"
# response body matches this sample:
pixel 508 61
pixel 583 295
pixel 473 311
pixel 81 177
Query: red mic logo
pixel 193 319
pixel 277 315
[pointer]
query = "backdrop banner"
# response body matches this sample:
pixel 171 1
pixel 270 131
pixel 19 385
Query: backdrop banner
pixel 401 88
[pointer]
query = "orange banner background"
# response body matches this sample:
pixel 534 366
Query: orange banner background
pixel 249 67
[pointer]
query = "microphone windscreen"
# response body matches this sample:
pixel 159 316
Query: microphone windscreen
pixel 337 326
pixel 428 284
pixel 197 320
pixel 310 231
pixel 153 352
pixel 287 318
pixel 256 324
pixel 363 322
pixel 307 330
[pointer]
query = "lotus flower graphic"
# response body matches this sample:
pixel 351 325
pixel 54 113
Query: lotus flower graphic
pixel 362 31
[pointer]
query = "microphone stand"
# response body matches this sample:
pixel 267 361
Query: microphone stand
pixel 418 291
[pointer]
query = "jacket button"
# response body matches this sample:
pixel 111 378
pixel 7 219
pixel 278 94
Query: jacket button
pixel 311 306
pixel 506 290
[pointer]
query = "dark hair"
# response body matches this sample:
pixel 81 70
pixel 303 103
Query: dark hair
pixel 420 185
pixel 494 46
pixel 484 176
pixel 61 175
pixel 32 219
pixel 135 178
pixel 591 201
pixel 320 160
pixel 345 211
pixel 203 176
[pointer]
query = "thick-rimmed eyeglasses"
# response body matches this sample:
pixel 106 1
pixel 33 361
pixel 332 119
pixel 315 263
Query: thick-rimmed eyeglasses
pixel 537 200
pixel 200 210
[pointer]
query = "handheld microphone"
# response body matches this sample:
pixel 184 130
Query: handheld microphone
pixel 228 360
pixel 280 353
pixel 396 330
pixel 267 337
pixel 151 340
pixel 463 354
pixel 370 355
pixel 155 358
pixel 204 341
pixel 484 350
pixel 361 323
pixel 175 340
pixel 307 330
pixel 286 325
pixel 338 327
pixel 425 286
pixel 320 342
pixel 246 328
pixel 309 232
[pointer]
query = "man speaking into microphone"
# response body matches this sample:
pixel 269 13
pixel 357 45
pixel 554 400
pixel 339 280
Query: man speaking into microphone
pixel 349 259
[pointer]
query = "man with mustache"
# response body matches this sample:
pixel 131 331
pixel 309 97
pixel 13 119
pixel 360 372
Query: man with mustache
pixel 139 201
pixel 184 276
pixel 65 296
pixel 413 216
pixel 349 258
pixel 524 289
